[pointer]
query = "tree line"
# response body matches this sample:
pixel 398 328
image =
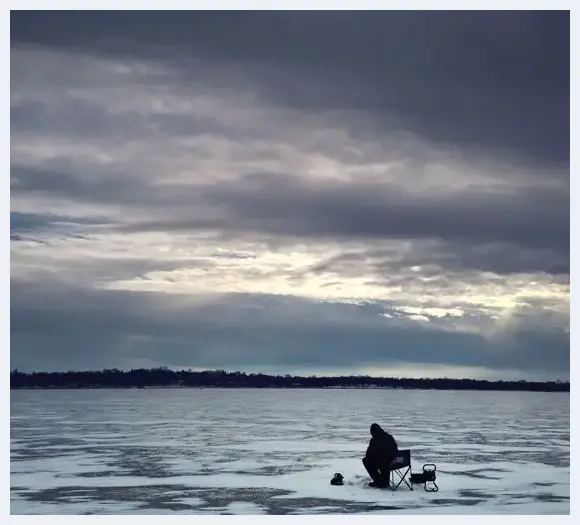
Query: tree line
pixel 164 377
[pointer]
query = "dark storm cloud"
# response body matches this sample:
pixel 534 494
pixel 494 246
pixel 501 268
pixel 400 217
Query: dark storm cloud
pixel 39 228
pixel 289 205
pixel 482 80
pixel 30 222
pixel 94 327
pixel 87 185
pixel 454 256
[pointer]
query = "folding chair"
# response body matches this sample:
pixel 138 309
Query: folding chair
pixel 401 466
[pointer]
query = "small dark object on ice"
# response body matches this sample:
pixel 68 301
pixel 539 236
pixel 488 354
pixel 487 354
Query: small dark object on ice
pixel 338 479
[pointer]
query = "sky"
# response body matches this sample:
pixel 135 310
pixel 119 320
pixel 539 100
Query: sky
pixel 383 193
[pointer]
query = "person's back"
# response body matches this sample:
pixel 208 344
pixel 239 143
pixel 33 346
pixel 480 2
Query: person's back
pixel 382 445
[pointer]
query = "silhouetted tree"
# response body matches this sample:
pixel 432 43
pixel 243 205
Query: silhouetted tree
pixel 163 377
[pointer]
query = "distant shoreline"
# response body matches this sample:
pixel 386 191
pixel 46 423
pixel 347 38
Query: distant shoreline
pixel 165 378
pixel 170 387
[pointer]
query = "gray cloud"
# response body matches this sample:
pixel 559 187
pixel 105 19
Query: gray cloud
pixel 90 184
pixel 508 233
pixel 71 116
pixel 481 80
pixel 500 257
pixel 454 256
pixel 31 222
pixel 527 231
pixel 286 204
pixel 241 330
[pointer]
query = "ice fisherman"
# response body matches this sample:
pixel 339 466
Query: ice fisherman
pixel 381 451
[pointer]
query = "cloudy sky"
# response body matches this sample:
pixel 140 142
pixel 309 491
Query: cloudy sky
pixel 315 193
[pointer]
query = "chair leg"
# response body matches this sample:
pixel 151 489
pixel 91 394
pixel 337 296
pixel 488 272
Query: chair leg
pixel 402 479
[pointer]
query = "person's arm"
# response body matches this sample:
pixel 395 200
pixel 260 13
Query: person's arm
pixel 371 448
pixel 394 449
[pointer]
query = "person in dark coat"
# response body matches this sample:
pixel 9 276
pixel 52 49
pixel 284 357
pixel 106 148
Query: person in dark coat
pixel 381 451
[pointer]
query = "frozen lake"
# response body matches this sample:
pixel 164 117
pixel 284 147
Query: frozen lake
pixel 266 451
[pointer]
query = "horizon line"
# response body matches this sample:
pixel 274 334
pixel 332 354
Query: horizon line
pixel 228 372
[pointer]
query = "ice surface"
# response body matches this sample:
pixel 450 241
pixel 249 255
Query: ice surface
pixel 219 451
